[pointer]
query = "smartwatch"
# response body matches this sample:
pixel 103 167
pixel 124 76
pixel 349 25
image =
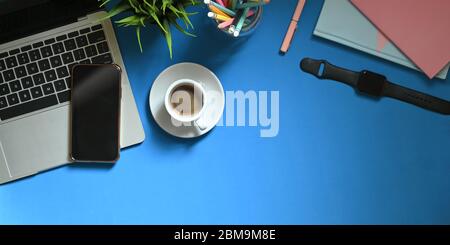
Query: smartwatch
pixel 374 84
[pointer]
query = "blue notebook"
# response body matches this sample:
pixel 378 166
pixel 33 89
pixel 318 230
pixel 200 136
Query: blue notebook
pixel 341 22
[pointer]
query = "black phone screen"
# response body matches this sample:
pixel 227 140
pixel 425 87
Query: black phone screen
pixel 95 113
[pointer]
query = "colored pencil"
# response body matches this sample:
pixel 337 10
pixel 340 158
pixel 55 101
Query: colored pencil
pixel 227 23
pixel 222 8
pixel 232 4
pixel 251 4
pixel 292 27
pixel 237 18
pixel 234 16
pixel 218 16
pixel 217 11
pixel 239 25
pixel 221 2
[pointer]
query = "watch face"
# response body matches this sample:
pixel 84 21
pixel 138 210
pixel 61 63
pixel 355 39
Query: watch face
pixel 371 83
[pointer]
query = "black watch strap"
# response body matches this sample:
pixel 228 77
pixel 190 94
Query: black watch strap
pixel 417 98
pixel 374 84
pixel 324 70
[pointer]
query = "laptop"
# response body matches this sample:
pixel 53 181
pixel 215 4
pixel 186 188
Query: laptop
pixel 40 40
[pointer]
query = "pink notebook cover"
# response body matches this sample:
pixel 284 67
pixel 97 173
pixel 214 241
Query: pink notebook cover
pixel 419 28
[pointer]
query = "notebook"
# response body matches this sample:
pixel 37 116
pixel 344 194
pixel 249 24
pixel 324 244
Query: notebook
pixel 420 29
pixel 343 23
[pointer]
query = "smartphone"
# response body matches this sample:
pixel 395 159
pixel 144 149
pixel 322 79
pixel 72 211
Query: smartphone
pixel 95 113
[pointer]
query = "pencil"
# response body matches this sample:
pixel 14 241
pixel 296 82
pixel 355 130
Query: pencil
pixel 232 3
pixel 222 8
pixel 233 16
pixel 251 4
pixel 237 18
pixel 218 16
pixel 230 21
pixel 217 11
pixel 225 24
pixel 292 27
pixel 221 2
pixel 239 25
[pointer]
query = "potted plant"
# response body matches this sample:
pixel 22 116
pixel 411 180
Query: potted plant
pixel 163 13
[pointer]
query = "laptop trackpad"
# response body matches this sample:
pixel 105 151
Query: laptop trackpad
pixel 4 171
pixel 36 143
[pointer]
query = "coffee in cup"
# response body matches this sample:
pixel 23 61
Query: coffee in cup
pixel 185 101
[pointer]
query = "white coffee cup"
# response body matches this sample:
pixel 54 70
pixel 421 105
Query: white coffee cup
pixel 185 102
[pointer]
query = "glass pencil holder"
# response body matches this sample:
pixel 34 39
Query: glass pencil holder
pixel 249 26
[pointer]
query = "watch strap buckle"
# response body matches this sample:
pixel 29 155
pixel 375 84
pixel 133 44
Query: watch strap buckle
pixel 314 67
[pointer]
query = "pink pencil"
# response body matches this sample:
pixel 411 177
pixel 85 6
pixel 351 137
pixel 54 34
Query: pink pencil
pixel 292 26
pixel 220 2
pixel 225 23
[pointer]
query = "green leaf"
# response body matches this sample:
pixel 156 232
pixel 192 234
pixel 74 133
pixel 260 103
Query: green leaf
pixel 151 8
pixel 162 13
pixel 168 37
pixel 104 2
pixel 134 4
pixel 165 3
pixel 155 17
pixel 138 34
pixel 142 20
pixel 174 23
pixel 175 11
pixel 130 20
pixel 184 17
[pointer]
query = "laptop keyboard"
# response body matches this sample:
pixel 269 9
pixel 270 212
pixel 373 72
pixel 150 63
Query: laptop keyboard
pixel 37 76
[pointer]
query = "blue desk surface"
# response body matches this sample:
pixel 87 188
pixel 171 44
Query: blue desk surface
pixel 339 158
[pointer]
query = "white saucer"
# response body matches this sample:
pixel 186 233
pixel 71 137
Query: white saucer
pixel 214 106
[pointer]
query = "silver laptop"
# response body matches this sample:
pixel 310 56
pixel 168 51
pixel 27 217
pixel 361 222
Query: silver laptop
pixel 40 40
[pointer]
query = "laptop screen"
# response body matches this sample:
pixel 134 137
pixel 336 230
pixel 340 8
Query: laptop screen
pixel 9 6
pixel 20 18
